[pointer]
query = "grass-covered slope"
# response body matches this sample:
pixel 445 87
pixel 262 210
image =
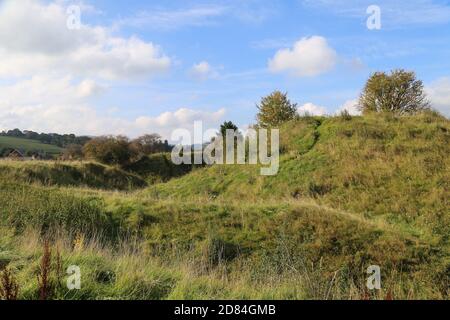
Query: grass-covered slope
pixel 192 250
pixel 380 166
pixel 28 145
pixel 350 193
pixel 157 168
pixel 70 174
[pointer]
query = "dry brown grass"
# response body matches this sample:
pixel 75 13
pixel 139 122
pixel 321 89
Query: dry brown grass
pixel 9 288
pixel 44 281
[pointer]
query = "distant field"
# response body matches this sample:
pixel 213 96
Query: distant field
pixel 28 145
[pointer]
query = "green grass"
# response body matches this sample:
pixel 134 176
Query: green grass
pixel 28 145
pixel 350 193
pixel 157 168
pixel 70 174
pixel 396 169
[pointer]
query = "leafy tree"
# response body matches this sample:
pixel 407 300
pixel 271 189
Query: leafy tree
pixel 73 152
pixel 149 144
pixel 109 149
pixel 398 92
pixel 275 109
pixel 15 133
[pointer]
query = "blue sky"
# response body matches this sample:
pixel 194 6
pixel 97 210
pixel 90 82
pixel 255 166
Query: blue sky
pixel 137 66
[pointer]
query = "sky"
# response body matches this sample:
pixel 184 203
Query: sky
pixel 134 67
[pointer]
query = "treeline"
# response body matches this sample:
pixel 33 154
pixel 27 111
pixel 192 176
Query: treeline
pixel 118 150
pixel 60 140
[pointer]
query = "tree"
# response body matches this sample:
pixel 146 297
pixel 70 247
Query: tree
pixel 48 138
pixel 73 152
pixel 149 144
pixel 275 109
pixel 15 133
pixel 398 92
pixel 227 125
pixel 109 149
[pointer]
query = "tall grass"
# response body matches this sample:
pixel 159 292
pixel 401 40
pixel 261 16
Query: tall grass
pixel 129 272
pixel 70 174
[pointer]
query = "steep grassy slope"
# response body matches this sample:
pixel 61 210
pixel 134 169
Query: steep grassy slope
pixel 350 193
pixel 391 168
pixel 28 145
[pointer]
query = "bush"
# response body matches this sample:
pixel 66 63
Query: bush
pixel 400 93
pixel 114 150
pixel 275 110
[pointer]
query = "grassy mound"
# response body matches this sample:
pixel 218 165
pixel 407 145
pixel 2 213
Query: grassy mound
pixel 351 192
pixel 75 174
pixel 392 168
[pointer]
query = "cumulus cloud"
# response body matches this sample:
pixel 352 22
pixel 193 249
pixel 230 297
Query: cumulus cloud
pixel 41 42
pixel 182 118
pixel 439 94
pixel 309 57
pixel 203 71
pixel 311 109
pixel 47 104
pixel 51 104
pixel 351 106
pixel 44 89
pixel 52 73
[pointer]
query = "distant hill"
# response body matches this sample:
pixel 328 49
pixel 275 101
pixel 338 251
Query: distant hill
pixel 55 139
pixel 28 145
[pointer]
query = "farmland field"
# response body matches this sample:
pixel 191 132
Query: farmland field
pixel 28 145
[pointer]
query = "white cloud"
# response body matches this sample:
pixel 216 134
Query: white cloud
pixel 182 118
pixel 312 109
pixel 88 88
pixel 34 38
pixel 53 73
pixel 439 94
pixel 203 71
pixel 47 104
pixel 309 57
pixel 202 68
pixel 40 89
pixel 351 106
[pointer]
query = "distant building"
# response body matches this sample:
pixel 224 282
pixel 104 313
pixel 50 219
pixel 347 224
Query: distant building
pixel 19 155
pixel 16 155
